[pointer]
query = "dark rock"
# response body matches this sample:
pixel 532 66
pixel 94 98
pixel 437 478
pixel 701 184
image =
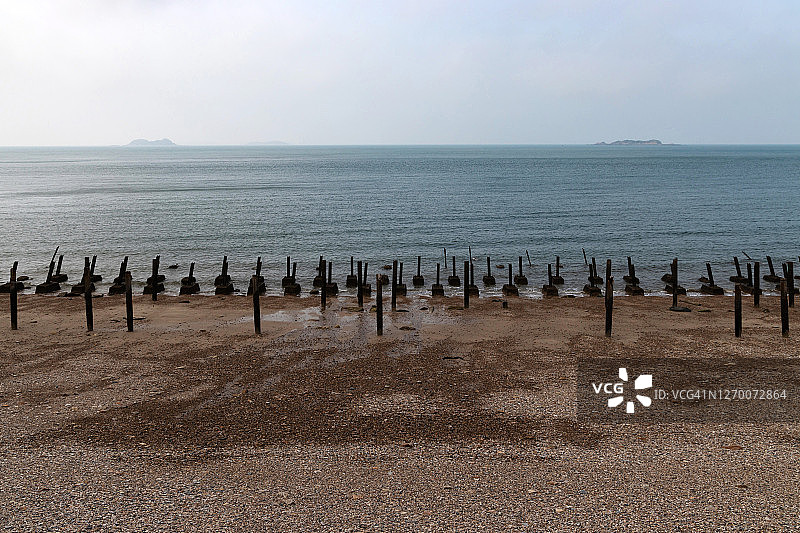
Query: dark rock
pixel 291 290
pixel 634 290
pixel 189 288
pixel 331 289
pixel 489 280
pixel 79 288
pixel 592 290
pixel 418 281
pixel 401 289
pixel 738 279
pixel 351 282
pixel 47 287
pixel 148 289
pixel 26 278
pixel 510 290
pixel 6 287
pixel 59 278
pixel 437 290
pixel 473 290
pixel 287 280
pixel 223 289
pixel 520 279
pixel 173 267
pixel 116 288
pixel 633 280
pixel 454 281
pixel 711 289
pixel 549 291
pixel 558 280
pixel 681 290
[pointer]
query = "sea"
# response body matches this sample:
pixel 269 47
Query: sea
pixel 383 203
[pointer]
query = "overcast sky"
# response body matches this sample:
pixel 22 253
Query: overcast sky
pixel 405 72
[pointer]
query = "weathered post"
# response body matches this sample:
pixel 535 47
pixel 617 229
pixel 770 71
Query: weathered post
pixel 87 294
pixel 128 300
pixel 360 288
pixel 784 310
pixel 609 303
pixel 510 289
pixel 418 280
pixel 454 280
pixel 256 305
pixel 332 288
pixel 737 311
pixel 402 289
pixel 771 277
pixel 488 279
pixel 58 277
pixel 466 285
pixel 557 279
pixel 379 304
pixel 323 290
pixel 13 296
pixel 351 280
pixel 437 289
pixel 756 283
pixel 675 283
pixel 394 284
pixel 790 281
pixel 520 279
pixel 155 278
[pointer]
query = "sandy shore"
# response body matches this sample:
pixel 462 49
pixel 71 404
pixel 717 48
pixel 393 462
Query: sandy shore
pixel 453 420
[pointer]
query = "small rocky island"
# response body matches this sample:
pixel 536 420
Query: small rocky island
pixel 631 142
pixel 145 142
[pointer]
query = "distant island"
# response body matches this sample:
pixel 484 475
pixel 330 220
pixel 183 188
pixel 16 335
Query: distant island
pixel 145 142
pixel 631 142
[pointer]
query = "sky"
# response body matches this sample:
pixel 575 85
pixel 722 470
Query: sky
pixel 405 72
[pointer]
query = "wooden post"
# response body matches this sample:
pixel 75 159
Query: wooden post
pixel 445 257
pixel 584 256
pixel 155 277
pixel 330 271
pixel 50 271
pixel 756 283
pixel 437 273
pixel 549 274
pixel 87 293
pixel 510 276
pixel 558 266
pixel 128 300
pixel 360 285
pixel 419 265
pixel 784 311
pixel 471 273
pixel 488 266
pixel 710 275
pixel 738 268
pixel 91 268
pixel 609 303
pixel 466 285
pixel 675 282
pixel 737 311
pixel 323 290
pixel 529 258
pixel 256 306
pixel 13 296
pixel 749 274
pixel 608 269
pixel 288 266
pixel 379 304
pixel 58 267
pixel 790 281
pixel 394 284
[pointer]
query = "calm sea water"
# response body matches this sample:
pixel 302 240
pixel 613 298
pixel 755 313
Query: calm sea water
pixel 699 203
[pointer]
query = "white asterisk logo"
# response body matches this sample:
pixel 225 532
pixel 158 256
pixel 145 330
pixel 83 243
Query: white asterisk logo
pixel 644 381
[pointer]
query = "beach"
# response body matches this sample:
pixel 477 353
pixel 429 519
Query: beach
pixel 454 419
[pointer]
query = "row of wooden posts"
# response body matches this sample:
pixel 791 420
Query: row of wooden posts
pixel 326 285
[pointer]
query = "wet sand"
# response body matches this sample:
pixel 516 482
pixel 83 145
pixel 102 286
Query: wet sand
pixel 453 420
